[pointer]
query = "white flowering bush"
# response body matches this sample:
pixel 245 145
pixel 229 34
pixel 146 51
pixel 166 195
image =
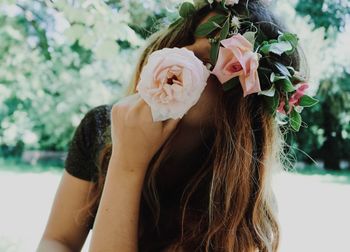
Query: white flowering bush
pixel 58 59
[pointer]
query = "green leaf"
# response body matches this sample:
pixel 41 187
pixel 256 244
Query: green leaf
pixel 214 52
pixel 220 19
pixel 225 30
pixel 295 120
pixel 286 85
pixel 291 70
pixel 250 36
pixel 290 37
pixel 282 69
pixel 223 4
pixel 307 101
pixel 272 103
pixel 275 78
pixel 231 84
pixel 282 81
pixel 280 47
pixel 221 7
pixel 211 25
pixel 187 9
pixel 298 79
pixel 265 49
pixel 205 29
pixel 270 92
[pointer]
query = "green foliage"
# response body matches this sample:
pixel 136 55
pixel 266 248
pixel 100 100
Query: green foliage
pixel 225 30
pixel 272 102
pixel 325 13
pixel 295 120
pixel 286 43
pixel 187 10
pixel 148 16
pixel 282 82
pixel 214 23
pixel 59 59
pixel 214 51
pixel 307 101
pixel 328 135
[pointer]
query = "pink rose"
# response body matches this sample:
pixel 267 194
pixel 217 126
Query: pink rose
pixel 237 58
pixel 171 82
pixel 294 99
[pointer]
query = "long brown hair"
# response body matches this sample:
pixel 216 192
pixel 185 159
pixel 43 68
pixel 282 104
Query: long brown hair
pixel 227 204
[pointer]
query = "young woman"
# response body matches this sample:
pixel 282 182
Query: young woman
pixel 202 183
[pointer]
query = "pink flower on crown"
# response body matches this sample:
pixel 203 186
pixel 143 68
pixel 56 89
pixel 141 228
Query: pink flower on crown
pixel 237 58
pixel 294 99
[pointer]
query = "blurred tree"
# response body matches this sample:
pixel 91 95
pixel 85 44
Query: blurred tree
pixel 325 13
pixel 325 132
pixel 58 59
pixel 328 137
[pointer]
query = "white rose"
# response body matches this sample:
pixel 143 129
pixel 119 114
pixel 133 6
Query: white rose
pixel 171 82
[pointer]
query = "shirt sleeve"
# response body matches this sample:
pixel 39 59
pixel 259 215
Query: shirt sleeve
pixel 82 152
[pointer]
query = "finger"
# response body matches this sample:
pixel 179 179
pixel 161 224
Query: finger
pixel 141 107
pixel 128 99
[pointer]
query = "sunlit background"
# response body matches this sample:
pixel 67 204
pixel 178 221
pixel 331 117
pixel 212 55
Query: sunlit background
pixel 58 59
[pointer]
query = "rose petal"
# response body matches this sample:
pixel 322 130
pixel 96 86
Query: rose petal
pixel 171 82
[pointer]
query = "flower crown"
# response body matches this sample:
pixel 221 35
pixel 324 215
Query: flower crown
pixel 173 79
pixel 238 59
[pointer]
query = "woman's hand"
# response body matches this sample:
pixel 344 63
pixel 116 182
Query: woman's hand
pixel 135 137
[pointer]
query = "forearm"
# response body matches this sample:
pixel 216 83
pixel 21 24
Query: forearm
pixel 52 246
pixel 116 223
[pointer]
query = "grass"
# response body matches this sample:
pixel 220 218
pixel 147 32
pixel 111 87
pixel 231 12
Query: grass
pixel 17 165
pixel 329 176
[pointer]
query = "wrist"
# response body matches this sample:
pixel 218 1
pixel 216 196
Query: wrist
pixel 126 163
pixel 129 176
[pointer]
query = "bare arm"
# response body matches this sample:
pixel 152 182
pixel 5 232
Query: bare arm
pixel 135 139
pixel 116 225
pixel 63 233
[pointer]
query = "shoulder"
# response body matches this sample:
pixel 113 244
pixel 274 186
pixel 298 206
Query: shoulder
pixel 101 112
pixel 93 127
pixel 95 122
pixel 90 136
